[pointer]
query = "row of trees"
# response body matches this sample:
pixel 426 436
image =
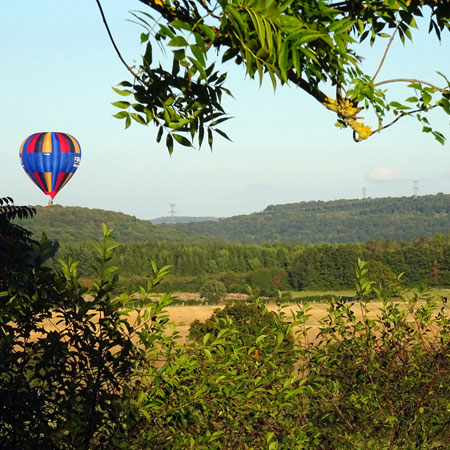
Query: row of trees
pixel 299 267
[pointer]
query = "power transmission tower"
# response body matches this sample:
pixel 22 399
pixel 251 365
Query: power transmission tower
pixel 172 211
pixel 415 188
pixel 364 192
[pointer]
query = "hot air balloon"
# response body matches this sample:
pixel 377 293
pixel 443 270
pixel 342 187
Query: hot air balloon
pixel 50 160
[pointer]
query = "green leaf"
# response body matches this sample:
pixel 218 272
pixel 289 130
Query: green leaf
pixel 122 92
pixel 197 52
pixel 309 54
pixel 283 60
pixel 121 115
pixel 125 84
pixel 260 338
pixel 179 55
pixel 199 67
pixel 201 135
pixel 182 140
pixel 445 104
pixel 426 98
pixel 181 25
pixel 178 41
pixel 341 26
pixel 412 100
pixel 208 31
pixel 241 25
pixel 148 55
pixel 296 61
pixel 223 134
pixel 160 133
pixel 122 105
pixel 165 31
pixel 144 37
pixel 218 121
pixel 210 138
pixel 138 118
pixel 169 143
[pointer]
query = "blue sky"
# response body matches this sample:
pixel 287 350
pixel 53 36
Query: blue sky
pixel 58 68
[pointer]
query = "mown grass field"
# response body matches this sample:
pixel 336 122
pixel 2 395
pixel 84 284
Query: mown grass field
pixel 183 316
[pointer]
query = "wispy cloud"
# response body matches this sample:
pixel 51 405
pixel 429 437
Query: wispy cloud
pixel 385 175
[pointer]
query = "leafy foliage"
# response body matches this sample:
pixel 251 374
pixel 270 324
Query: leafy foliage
pixel 312 45
pixel 65 355
pixel 105 371
pixel 373 382
pixel 213 290
pixel 381 381
pixel 252 320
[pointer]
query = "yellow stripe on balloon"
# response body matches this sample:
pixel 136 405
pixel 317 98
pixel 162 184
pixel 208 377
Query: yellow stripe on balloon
pixel 75 144
pixel 48 180
pixel 47 143
pixel 21 147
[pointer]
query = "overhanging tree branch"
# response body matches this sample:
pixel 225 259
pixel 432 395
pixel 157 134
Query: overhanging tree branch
pixel 412 80
pixel 308 45
pixel 130 69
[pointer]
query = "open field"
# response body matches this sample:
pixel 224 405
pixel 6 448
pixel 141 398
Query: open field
pixel 182 316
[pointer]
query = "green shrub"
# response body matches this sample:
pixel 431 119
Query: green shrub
pixel 234 282
pixel 268 281
pixel 213 291
pixel 61 385
pixel 257 329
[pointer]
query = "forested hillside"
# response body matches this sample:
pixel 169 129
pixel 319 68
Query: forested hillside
pixel 335 221
pixel 75 224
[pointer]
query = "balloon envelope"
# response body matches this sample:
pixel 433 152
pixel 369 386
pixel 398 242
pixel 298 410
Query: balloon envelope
pixel 50 160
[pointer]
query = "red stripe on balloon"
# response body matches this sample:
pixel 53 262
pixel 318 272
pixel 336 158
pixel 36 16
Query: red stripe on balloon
pixel 63 143
pixel 37 178
pixel 31 145
pixel 59 180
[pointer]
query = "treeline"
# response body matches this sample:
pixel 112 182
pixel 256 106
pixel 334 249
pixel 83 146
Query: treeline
pixel 336 221
pixel 75 224
pixel 277 266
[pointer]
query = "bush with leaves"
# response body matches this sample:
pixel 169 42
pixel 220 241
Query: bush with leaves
pixel 64 354
pixel 213 290
pixel 372 382
pixel 381 381
pixel 232 387
pixel 258 329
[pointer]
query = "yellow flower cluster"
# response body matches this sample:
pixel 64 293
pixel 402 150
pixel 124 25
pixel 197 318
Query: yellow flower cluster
pixel 347 111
